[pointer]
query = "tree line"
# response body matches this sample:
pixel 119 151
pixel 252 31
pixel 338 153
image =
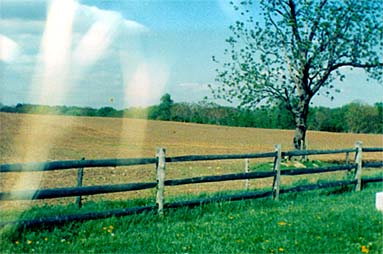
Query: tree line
pixel 355 117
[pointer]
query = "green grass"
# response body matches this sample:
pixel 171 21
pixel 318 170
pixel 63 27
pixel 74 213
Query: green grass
pixel 324 221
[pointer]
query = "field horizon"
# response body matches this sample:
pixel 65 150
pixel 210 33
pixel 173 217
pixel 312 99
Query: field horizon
pixel 69 137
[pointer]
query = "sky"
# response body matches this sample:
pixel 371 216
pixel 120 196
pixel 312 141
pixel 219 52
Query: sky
pixel 124 53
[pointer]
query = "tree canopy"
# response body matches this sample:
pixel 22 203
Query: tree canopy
pixel 286 51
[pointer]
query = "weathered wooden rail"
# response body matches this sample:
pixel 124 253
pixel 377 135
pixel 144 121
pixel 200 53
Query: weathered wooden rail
pixel 161 182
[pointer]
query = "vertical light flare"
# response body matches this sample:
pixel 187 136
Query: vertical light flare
pixel 58 62
pixel 94 43
pixel 51 83
pixel 144 83
pixel 56 51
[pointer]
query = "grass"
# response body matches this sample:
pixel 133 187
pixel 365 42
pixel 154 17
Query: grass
pixel 313 222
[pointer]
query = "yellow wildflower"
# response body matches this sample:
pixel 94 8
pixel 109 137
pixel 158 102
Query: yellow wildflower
pixel 17 242
pixel 364 249
pixel 29 242
pixel 46 238
pixel 109 231
pixel 104 228
pixel 281 249
pixel 282 223
pixel 111 227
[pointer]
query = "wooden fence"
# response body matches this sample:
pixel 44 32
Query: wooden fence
pixel 161 182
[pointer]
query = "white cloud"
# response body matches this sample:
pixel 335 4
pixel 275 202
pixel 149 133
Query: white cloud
pixel 193 85
pixel 135 27
pixel 21 26
pixel 9 49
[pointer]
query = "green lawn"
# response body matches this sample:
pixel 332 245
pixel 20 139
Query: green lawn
pixel 324 221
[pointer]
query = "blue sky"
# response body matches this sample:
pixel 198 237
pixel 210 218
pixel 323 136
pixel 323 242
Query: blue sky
pixel 123 53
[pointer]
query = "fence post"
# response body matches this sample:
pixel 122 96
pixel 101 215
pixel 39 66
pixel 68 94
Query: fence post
pixel 358 162
pixel 247 184
pixel 347 158
pixel 303 148
pixel 277 170
pixel 160 175
pixel 80 174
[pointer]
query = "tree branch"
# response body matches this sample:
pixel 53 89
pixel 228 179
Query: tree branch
pixel 293 16
pixel 316 21
pixel 339 65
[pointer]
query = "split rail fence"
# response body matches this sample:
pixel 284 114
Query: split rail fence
pixel 161 182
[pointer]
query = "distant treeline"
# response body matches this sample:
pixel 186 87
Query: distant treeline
pixel 355 117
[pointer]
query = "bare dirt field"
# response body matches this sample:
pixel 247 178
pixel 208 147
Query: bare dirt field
pixel 32 138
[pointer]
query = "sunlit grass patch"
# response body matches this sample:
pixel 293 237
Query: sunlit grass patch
pixel 311 222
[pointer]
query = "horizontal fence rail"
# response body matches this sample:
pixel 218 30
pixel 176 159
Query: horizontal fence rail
pixel 101 189
pixel 317 152
pixel 377 164
pixel 74 191
pixel 56 220
pixel 160 163
pixel 56 165
pixel 303 171
pixel 219 157
pixel 220 178
pixel 372 149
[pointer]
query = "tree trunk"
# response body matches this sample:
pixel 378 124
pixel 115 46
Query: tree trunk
pixel 299 136
pixel 301 114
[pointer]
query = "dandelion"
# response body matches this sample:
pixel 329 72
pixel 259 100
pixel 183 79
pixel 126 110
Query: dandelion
pixel 280 249
pixel 282 223
pixel 364 249
pixel 109 231
pixel 29 242
pixel 104 228
pixel 17 242
pixel 46 238
pixel 111 227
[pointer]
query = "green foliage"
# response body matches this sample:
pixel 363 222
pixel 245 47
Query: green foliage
pixel 163 110
pixel 362 118
pixel 312 222
pixel 354 117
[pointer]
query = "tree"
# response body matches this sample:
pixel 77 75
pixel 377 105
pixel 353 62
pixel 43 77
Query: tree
pixel 297 50
pixel 362 118
pixel 164 108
